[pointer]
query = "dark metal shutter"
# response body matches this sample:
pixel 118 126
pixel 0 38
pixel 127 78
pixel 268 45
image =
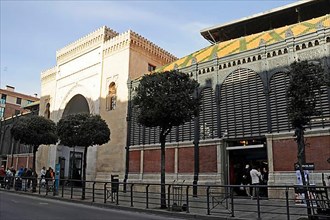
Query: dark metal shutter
pixel 152 135
pixel 323 106
pixel 278 102
pixel 208 115
pixel 171 137
pixel 136 129
pixel 243 105
pixel 186 131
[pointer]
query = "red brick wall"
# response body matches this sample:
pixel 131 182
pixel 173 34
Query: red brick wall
pixel 186 160
pixel 317 152
pixel 208 159
pixel 151 161
pixel 134 161
pixel 20 160
pixel 10 109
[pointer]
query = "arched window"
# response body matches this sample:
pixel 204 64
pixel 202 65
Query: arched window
pixel 47 111
pixel 111 97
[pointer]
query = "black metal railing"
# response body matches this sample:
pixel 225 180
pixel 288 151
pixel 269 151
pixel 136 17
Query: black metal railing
pixel 277 202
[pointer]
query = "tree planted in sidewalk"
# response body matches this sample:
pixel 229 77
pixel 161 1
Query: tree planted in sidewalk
pixel 83 130
pixel 34 131
pixel 303 92
pixel 164 100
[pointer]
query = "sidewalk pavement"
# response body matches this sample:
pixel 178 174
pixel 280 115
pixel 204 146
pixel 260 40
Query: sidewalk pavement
pixel 219 208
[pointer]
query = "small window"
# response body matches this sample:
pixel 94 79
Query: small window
pixel 111 100
pixel 18 101
pixel 151 67
pixel 3 96
pixel 47 111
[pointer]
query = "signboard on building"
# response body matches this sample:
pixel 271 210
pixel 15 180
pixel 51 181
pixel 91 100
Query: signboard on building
pixel 306 166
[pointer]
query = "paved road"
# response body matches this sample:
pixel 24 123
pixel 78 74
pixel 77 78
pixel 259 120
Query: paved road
pixel 22 207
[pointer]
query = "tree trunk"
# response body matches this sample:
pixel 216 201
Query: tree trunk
pixel 84 174
pixel 299 133
pixel 34 173
pixel 162 171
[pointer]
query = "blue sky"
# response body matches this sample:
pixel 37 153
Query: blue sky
pixel 32 31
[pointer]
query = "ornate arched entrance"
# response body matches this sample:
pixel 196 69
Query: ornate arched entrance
pixel 77 104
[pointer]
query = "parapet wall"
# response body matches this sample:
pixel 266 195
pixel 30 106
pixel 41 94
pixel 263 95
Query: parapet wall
pixel 139 41
pixel 85 43
pixel 132 39
pixel 48 74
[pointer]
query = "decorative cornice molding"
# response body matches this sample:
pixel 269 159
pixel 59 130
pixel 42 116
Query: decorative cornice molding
pixel 116 43
pixel 87 42
pixel 48 73
pixel 139 41
pixel 134 40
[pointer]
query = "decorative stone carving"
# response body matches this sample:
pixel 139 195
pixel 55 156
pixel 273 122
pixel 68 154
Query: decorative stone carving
pixel 288 33
pixel 262 43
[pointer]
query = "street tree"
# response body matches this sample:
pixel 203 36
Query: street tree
pixel 303 92
pixel 164 100
pixel 34 131
pixel 83 130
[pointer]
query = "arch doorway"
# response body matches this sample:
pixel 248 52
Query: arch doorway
pixel 77 104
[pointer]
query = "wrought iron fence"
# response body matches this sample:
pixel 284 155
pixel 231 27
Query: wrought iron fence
pixel 269 202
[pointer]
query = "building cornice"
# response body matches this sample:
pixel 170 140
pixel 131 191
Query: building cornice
pixel 49 73
pixel 134 40
pixel 139 41
pixel 85 43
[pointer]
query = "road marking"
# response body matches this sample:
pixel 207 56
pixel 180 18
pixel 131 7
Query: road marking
pixel 43 203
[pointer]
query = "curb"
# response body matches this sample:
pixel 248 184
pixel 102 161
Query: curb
pixel 125 208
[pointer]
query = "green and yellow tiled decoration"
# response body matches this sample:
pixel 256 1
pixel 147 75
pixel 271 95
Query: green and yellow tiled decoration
pixel 249 42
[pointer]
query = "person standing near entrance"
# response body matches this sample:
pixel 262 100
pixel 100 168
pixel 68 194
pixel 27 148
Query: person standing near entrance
pixel 255 179
pixel 246 179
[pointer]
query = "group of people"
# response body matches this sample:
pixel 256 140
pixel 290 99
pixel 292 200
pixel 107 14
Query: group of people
pixel 22 179
pixel 254 176
pixel 47 177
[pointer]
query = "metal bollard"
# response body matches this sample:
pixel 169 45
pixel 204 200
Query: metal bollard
pixel 208 200
pixel 147 196
pixel 187 199
pixel 232 201
pixel 287 203
pixel 169 196
pixel 105 193
pixel 93 191
pixel 131 195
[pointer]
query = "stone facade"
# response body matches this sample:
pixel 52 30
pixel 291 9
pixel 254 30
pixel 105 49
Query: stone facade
pixel 84 72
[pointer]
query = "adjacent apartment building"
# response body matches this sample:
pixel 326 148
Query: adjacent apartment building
pixel 13 103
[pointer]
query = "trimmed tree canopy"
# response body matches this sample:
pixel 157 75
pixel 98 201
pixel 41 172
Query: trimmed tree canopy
pixel 306 79
pixel 83 130
pixel 166 99
pixel 34 130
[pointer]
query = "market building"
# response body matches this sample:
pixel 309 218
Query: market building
pixel 243 80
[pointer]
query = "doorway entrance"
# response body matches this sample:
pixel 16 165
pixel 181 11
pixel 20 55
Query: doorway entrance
pixel 75 167
pixel 243 154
